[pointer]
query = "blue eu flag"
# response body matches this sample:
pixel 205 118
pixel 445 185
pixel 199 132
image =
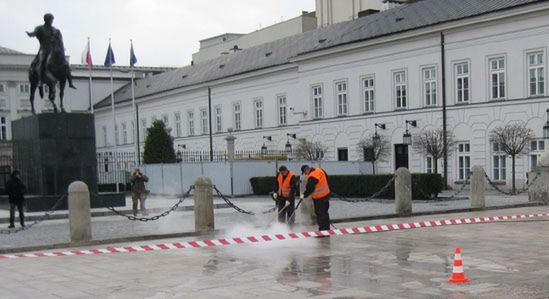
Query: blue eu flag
pixel 109 60
pixel 133 59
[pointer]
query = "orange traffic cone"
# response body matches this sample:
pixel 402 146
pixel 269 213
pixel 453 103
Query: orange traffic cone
pixel 457 273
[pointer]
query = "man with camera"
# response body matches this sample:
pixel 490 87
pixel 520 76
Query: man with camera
pixel 139 192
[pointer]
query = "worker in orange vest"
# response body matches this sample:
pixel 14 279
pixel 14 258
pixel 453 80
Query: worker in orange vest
pixel 317 187
pixel 284 194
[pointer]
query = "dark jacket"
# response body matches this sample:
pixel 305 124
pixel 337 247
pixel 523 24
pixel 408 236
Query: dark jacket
pixel 138 183
pixel 311 184
pixel 294 183
pixel 15 190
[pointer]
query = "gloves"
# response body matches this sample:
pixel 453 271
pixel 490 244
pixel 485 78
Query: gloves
pixel 301 196
pixel 275 195
pixel 287 203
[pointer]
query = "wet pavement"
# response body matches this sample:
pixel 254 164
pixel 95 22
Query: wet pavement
pixel 502 260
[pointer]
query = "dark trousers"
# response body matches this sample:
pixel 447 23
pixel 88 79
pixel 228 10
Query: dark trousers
pixel 19 206
pixel 322 205
pixel 288 215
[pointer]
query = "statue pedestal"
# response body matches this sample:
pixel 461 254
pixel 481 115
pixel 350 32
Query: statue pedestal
pixel 51 151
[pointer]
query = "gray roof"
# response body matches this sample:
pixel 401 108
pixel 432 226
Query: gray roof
pixel 8 51
pixel 400 19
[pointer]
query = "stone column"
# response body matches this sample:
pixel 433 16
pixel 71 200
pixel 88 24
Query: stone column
pixel 477 187
pixel 403 192
pixel 230 156
pixel 79 212
pixel 203 205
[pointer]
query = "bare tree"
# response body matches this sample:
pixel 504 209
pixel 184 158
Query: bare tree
pixel 310 151
pixel 513 140
pixel 431 143
pixel 374 149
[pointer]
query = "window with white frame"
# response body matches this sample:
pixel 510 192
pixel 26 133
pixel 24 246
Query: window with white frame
pixel 464 160
pixel 498 162
pixel 537 148
pixel 258 115
pixel 237 121
pixel 204 121
pixel 462 82
pixel 177 118
pixel 282 110
pixel 190 120
pixel 104 130
pixel 430 86
pixel 536 74
pixel 341 95
pixel 24 88
pixel 368 92
pixel 124 133
pixel 497 78
pixel 3 103
pixel 3 128
pixel 143 129
pixel 316 92
pixel 116 139
pixel 218 119
pixel 430 164
pixel 401 95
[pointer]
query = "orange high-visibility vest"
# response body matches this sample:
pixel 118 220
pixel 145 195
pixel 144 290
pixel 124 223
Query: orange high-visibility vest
pixel 284 185
pixel 321 189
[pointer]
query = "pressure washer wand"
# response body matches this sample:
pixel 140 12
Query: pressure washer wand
pixel 279 212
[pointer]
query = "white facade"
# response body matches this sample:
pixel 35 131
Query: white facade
pixel 325 95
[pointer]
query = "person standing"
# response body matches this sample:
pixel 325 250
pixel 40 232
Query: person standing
pixel 317 187
pixel 139 192
pixel 284 195
pixel 16 192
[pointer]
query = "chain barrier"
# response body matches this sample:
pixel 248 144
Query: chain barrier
pixel 156 217
pixel 369 198
pixel 46 216
pixel 232 205
pixel 436 198
pixel 524 189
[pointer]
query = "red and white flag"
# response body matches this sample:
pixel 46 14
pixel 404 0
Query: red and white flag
pixel 86 55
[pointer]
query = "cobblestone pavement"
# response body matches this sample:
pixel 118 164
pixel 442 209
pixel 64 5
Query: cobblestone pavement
pixel 400 264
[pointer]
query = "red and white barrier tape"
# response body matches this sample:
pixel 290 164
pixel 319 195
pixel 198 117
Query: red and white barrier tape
pixel 275 237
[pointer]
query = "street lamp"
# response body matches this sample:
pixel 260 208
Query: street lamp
pixel 376 137
pixel 546 126
pixel 264 147
pixel 407 137
pixel 288 146
pixel 179 154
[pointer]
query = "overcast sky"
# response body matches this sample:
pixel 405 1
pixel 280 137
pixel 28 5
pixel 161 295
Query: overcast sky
pixel 164 32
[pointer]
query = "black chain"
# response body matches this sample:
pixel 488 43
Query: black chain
pixel 232 205
pixel 369 198
pixel 46 216
pixel 510 193
pixel 156 217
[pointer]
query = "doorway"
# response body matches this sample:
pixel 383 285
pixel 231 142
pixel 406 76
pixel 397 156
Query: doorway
pixel 401 156
pixel 342 154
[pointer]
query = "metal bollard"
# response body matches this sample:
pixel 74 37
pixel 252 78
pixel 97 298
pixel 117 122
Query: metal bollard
pixel 79 212
pixel 203 205
pixel 477 187
pixel 403 192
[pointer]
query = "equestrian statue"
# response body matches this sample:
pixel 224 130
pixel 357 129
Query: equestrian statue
pixel 50 66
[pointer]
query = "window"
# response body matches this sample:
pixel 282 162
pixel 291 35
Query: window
pixel 204 121
pixel 236 116
pixel 282 112
pixel 3 128
pixel 218 119
pixel 464 161
pixel 143 129
pixel 177 117
pixel 2 88
pixel 498 162
pixel 317 101
pixel 124 133
pixel 536 74
pixel 24 103
pixel 258 107
pixel 430 165
pixel 537 147
pixel 104 129
pixel 116 139
pixel 341 95
pixel 3 103
pixel 462 82
pixel 368 93
pixel 497 78
pixel 24 88
pixel 166 120
pixel 399 80
pixel 190 119
pixel 430 86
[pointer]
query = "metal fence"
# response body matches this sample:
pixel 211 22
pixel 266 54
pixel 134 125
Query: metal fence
pixel 203 156
pixel 115 167
pixel 6 165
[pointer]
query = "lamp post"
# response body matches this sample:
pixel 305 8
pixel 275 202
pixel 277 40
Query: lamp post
pixel 376 137
pixel 264 147
pixel 546 126
pixel 288 146
pixel 407 137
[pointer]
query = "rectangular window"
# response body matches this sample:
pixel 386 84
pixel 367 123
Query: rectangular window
pixel 341 95
pixel 258 107
pixel 430 86
pixel 537 148
pixel 462 82
pixel 2 88
pixel 190 119
pixel 236 116
pixel 24 103
pixel 124 133
pixel 143 129
pixel 204 121
pixel 116 139
pixel 3 103
pixel 430 165
pixel 3 128
pixel 464 161
pixel 317 101
pixel 498 162
pixel 166 120
pixel 24 88
pixel 399 81
pixel 368 92
pixel 177 118
pixel 536 74
pixel 218 119
pixel 497 78
pixel 282 110
pixel 104 129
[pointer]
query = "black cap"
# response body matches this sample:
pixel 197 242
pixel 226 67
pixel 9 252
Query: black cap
pixel 304 167
pixel 282 168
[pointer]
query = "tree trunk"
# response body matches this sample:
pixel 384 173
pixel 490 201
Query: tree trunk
pixel 374 167
pixel 436 164
pixel 513 157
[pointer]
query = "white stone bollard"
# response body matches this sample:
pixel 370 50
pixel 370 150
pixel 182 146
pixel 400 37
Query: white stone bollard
pixel 478 182
pixel 203 205
pixel 79 212
pixel 403 192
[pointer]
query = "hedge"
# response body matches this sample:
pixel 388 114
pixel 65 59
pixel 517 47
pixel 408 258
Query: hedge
pixel 424 185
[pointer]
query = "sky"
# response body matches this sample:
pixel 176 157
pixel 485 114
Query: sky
pixel 164 32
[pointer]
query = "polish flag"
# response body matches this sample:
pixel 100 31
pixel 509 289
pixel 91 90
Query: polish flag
pixel 86 55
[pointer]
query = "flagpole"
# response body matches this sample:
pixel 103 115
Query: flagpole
pixel 135 126
pixel 90 79
pixel 114 126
